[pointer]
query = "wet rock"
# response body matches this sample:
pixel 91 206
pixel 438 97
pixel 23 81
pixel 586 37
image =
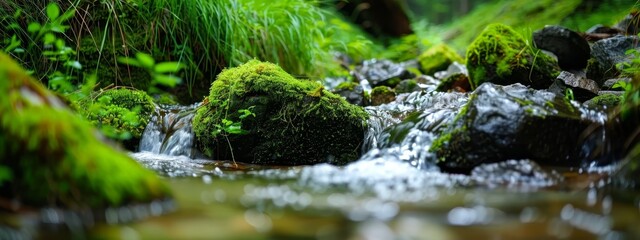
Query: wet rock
pixel 454 68
pixel 502 56
pixel 382 72
pixel 353 92
pixel 292 122
pixel 407 86
pixel 606 54
pixel 607 101
pixel 569 47
pixel 617 93
pixel 381 95
pixel 512 122
pixel 455 83
pixel 582 88
pixel 611 82
pixel 438 58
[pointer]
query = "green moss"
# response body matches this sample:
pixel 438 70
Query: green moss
pixel 606 100
pixel 56 155
pixel 349 86
pixel 500 55
pixel 296 122
pixel 120 111
pixel 406 86
pixel 438 58
pixel 382 95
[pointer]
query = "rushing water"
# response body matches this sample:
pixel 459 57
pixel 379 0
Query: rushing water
pixel 394 191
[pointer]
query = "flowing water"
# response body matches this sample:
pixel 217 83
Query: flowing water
pixel 395 191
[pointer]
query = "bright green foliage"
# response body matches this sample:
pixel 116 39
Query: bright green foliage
pixel 232 32
pixel 500 55
pixel 343 36
pixel 291 121
pixel 120 113
pixel 53 157
pixel 438 58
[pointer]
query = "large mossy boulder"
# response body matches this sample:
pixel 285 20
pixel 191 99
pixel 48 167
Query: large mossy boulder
pixel 50 156
pixel 502 56
pixel 294 121
pixel 120 113
pixel 512 122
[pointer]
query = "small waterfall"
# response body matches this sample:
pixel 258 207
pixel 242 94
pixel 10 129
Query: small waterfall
pixel 404 129
pixel 169 132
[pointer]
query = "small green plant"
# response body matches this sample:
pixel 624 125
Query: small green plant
pixel 568 94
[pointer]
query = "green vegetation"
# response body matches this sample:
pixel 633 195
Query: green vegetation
pixel 500 55
pixel 290 122
pixel 54 154
pixel 120 113
pixel 606 100
pixel 525 16
pixel 438 58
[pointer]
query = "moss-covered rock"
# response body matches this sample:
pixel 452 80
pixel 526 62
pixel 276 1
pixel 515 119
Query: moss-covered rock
pixel 608 101
pixel 500 55
pixel 118 112
pixel 407 86
pixel 53 157
pixel 457 82
pixel 513 122
pixel 381 95
pixel 438 58
pixel 295 122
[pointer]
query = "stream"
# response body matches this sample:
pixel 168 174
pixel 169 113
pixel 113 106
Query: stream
pixel 394 191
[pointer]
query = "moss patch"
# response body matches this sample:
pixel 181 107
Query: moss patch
pixel 438 58
pixel 120 111
pixel 381 95
pixel 296 122
pixel 500 55
pixel 57 156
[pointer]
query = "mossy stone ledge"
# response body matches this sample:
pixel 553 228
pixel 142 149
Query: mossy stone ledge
pixel 296 121
pixel 502 56
pixel 120 111
pixel 49 156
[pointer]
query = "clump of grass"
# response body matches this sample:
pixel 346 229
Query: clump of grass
pixel 229 33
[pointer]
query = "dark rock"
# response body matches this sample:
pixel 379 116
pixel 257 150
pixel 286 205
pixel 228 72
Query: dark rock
pixel 512 122
pixel 606 54
pixel 571 49
pixel 382 72
pixel 630 24
pixel 601 29
pixel 609 83
pixel 582 88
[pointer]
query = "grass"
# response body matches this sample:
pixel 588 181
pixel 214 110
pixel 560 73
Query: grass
pixel 206 35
